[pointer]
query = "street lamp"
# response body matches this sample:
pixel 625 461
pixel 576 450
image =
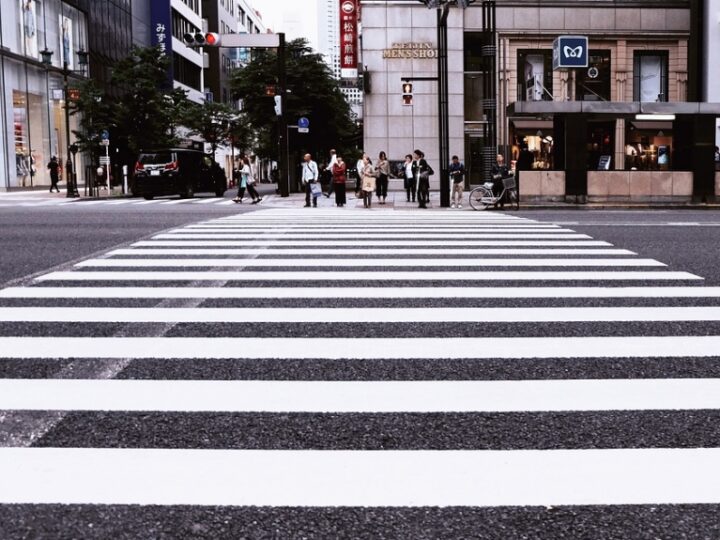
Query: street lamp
pixel 72 149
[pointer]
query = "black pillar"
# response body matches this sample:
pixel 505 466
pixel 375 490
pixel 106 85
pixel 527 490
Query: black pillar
pixel 443 106
pixel 576 156
pixel 703 158
pixel 282 133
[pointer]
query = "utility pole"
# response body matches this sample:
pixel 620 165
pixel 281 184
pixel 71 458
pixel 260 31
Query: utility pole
pixel 284 147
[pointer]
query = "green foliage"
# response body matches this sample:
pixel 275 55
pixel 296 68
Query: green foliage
pixel 217 123
pixel 312 92
pixel 96 115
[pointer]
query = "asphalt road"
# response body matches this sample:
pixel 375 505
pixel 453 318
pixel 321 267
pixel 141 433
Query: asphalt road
pixel 652 336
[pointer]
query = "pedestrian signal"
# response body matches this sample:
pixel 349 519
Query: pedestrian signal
pixel 202 39
pixel 407 94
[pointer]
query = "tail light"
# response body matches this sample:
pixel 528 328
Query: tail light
pixel 172 166
pixel 139 166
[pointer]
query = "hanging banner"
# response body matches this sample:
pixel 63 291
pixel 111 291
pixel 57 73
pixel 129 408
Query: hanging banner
pixel 161 32
pixel 348 39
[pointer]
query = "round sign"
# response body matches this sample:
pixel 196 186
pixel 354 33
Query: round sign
pixel 593 72
pixel 348 7
pixel 104 134
pixel 303 122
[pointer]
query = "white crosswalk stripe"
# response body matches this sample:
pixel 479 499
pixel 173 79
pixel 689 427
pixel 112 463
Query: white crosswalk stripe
pixel 361 359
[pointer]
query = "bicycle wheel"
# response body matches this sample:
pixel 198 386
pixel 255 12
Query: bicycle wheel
pixel 514 199
pixel 480 198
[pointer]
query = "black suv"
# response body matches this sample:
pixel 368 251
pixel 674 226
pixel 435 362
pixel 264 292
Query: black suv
pixel 177 171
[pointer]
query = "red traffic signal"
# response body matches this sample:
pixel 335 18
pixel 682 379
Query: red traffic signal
pixel 202 39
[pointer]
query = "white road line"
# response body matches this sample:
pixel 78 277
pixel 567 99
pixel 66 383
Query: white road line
pixel 359 396
pixel 336 275
pixel 114 203
pixel 207 201
pixel 151 201
pixel 368 226
pixel 367 252
pixel 359 315
pixel 361 232
pixel 178 201
pixel 320 236
pixel 337 478
pixel 332 263
pixel 367 243
pixel 227 203
pixel 361 292
pixel 360 348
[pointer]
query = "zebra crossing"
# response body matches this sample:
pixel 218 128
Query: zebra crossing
pixel 381 361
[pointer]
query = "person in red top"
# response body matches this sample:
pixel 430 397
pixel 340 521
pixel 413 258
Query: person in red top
pixel 339 174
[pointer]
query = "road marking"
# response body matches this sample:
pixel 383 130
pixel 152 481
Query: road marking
pixel 361 292
pixel 321 276
pixel 359 315
pixel 367 243
pixel 226 203
pixel 332 263
pixel 361 348
pixel 178 201
pixel 181 234
pixel 337 478
pixel 359 396
pixel 367 252
pixel 114 203
pixel 368 226
pixel 207 201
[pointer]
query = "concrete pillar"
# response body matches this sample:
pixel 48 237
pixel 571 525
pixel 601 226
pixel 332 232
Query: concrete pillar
pixel 619 159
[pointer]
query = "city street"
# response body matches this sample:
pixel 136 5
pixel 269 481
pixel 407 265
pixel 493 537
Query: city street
pixel 203 369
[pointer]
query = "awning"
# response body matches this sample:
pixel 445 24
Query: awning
pixel 611 108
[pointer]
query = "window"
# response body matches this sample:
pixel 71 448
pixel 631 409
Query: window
pixel 650 81
pixel 535 75
pixel 474 43
pixel 594 83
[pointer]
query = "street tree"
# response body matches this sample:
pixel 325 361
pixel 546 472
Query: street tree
pixel 311 92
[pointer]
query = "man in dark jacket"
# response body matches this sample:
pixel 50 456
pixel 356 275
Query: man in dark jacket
pixel 54 168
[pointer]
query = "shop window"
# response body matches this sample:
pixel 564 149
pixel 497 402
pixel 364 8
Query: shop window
pixel 601 146
pixel 594 83
pixel 650 80
pixel 648 146
pixel 535 137
pixel 474 96
pixel 535 75
pixel 474 42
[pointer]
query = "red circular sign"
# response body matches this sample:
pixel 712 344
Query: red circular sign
pixel 348 7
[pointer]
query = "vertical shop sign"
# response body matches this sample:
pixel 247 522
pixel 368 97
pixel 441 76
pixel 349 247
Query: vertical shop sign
pixel 348 38
pixel 66 42
pixel 161 32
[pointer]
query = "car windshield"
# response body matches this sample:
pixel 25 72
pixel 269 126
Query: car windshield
pixel 159 158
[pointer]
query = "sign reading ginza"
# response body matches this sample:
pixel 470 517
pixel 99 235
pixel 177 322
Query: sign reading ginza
pixel 348 38
pixel 411 50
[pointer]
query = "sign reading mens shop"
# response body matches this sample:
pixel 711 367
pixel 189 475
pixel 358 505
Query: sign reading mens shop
pixel 411 50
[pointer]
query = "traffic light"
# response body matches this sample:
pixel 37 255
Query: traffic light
pixel 407 94
pixel 278 105
pixel 202 39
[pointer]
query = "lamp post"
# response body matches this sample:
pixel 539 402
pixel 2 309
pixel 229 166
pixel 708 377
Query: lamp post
pixel 71 149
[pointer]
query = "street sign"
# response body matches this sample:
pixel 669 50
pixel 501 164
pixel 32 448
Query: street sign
pixel 104 134
pixel 303 130
pixel 303 123
pixel 105 142
pixel 570 52
pixel 104 160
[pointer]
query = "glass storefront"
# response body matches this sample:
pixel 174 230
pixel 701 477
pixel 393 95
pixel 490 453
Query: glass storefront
pixel 32 100
pixel 648 146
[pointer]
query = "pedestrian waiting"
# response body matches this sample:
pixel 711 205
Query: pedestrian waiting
pixel 457 175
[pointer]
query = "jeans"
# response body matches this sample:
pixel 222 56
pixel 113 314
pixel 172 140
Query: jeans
pixel 252 191
pixel 411 188
pixel 382 186
pixel 423 192
pixel 309 195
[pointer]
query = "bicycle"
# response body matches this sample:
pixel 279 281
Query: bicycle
pixel 482 196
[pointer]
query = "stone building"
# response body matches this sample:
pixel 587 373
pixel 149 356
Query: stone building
pixel 628 126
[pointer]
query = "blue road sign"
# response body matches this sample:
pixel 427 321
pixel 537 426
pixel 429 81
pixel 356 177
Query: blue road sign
pixel 303 123
pixel 104 134
pixel 570 52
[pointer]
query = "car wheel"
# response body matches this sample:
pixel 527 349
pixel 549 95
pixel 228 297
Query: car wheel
pixel 188 192
pixel 148 197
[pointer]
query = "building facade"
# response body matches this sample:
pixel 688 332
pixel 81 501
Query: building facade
pixel 584 127
pixel 32 100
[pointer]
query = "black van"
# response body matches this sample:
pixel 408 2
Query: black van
pixel 177 171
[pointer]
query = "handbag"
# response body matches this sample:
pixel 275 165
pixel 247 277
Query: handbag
pixel 315 189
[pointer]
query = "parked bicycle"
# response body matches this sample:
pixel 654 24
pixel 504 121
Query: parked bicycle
pixel 482 196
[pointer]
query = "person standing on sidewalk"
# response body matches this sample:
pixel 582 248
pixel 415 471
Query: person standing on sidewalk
pixel 339 173
pixel 368 180
pixel 423 172
pixel 359 166
pixel 457 174
pixel 410 182
pixel 54 168
pixel 331 164
pixel 310 175
pixel 383 175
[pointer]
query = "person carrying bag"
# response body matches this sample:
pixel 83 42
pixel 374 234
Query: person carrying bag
pixel 310 177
